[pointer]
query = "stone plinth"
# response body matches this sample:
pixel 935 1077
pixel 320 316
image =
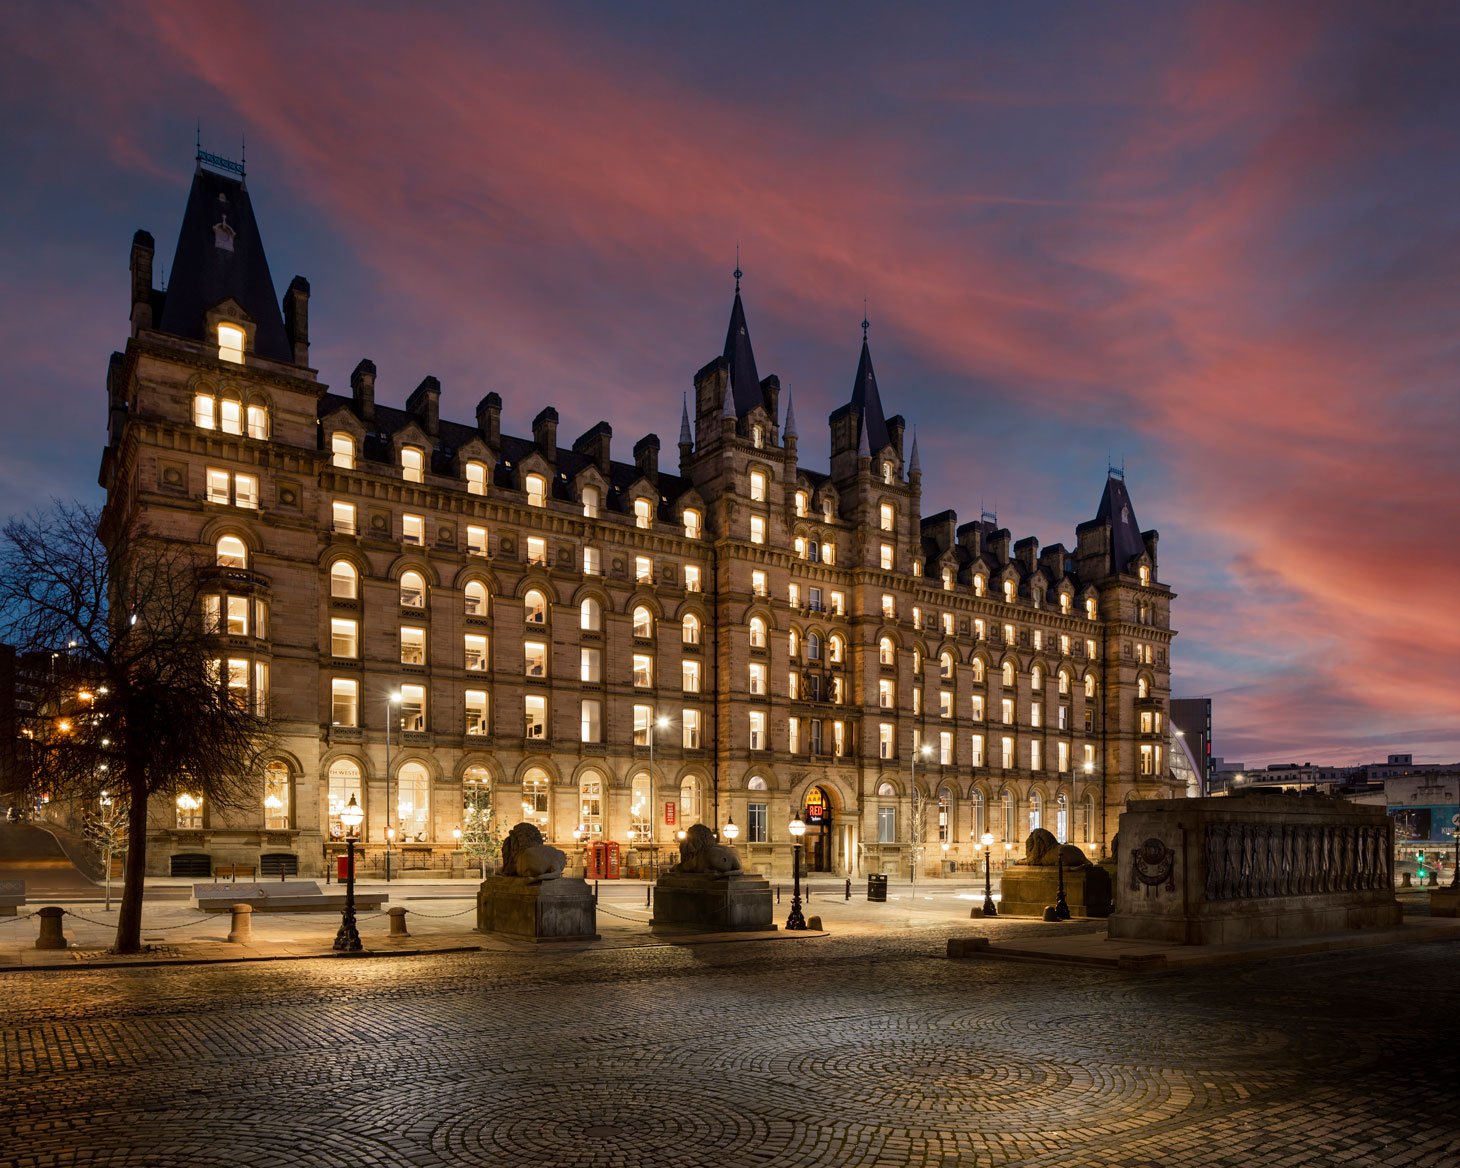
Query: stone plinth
pixel 733 902
pixel 550 910
pixel 1252 867
pixel 1026 890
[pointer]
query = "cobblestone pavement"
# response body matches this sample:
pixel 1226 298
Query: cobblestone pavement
pixel 843 1050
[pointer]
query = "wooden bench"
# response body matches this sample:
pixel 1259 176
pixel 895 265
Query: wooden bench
pixel 234 871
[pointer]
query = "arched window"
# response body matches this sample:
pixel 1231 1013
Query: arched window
pixel 232 553
pixel 945 815
pixel 230 342
pixel 643 622
pixel 886 791
pixel 1036 679
pixel 1007 670
pixel 948 575
pixel 978 669
pixel 1087 818
pixel 1036 810
pixel 592 501
pixel 1061 818
pixel 835 649
pixel 476 799
pixel 1089 685
pixel 342 450
pixel 277 801
pixel 413 803
pixel 344 580
pixel 979 814
pixel 886 651
pixel 344 781
pixel 1145 574
pixel 590 805
pixel 475 597
pixel 813 646
pixel 534 607
pixel 945 666
pixel 590 615
pixel 1143 688
pixel 755 783
pixel 641 810
pixel 801 504
pixel 689 629
pixel 917 664
pixel 689 800
pixel 1064 681
pixel 535 799
pixel 476 478
pixel 757 632
pixel 412 589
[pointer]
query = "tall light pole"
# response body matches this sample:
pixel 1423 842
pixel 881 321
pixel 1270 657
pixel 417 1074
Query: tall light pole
pixel 986 843
pixel 917 827
pixel 347 940
pixel 390 700
pixel 796 920
pixel 655 725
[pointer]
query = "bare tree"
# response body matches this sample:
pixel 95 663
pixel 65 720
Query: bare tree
pixel 139 705
pixel 918 828
pixel 107 830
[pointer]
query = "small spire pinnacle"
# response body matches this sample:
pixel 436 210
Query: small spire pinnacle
pixel 738 272
pixel 729 410
pixel 790 431
pixel 686 438
pixel 914 465
pixel 863 450
pixel 865 323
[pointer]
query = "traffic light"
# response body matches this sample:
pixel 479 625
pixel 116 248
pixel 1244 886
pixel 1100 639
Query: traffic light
pixel 1419 858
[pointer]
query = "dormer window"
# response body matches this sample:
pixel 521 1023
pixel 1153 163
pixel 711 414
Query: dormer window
pixel 979 584
pixel 692 528
pixel 223 235
pixel 1145 574
pixel 342 450
pixel 802 504
pixel 643 513
pixel 757 437
pixel 592 501
pixel 476 478
pixel 1065 603
pixel 230 343
pixel 1090 609
pixel 413 464
pixel 1008 592
pixel 536 490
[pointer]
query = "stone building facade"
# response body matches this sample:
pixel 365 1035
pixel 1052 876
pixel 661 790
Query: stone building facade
pixel 436 613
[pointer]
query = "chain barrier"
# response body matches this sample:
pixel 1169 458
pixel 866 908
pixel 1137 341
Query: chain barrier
pixel 415 912
pixel 622 916
pixel 18 917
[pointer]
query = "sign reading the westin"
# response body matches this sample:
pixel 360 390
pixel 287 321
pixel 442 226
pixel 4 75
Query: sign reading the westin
pixel 671 810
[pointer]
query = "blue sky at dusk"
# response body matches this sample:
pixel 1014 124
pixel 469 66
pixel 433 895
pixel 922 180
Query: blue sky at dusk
pixel 1217 243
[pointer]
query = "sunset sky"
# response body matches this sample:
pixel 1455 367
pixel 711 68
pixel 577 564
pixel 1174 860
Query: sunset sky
pixel 1217 244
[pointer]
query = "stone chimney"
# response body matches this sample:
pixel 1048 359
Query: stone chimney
pixel 489 420
pixel 998 545
pixel 296 318
pixel 940 529
pixel 1026 551
pixel 362 386
pixel 545 433
pixel 143 247
pixel 646 457
pixel 1052 560
pixel 424 405
pixel 595 445
pixel 970 539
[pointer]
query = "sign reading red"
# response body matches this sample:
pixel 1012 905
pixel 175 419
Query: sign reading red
pixel 671 811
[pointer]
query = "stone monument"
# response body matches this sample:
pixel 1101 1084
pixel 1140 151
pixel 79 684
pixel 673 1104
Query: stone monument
pixel 707 889
pixel 1031 886
pixel 529 897
pixel 1253 867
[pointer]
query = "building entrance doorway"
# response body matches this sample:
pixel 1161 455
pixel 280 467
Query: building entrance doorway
pixel 818 842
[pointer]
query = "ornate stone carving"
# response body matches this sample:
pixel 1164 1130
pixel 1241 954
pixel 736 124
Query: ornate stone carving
pixel 524 854
pixel 700 855
pixel 1246 861
pixel 1153 864
pixel 1043 850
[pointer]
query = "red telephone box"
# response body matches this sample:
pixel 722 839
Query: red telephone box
pixel 612 851
pixel 594 862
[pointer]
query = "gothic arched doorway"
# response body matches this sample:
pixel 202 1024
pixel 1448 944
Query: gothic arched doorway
pixel 817 816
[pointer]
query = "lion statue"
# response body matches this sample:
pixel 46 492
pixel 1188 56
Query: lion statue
pixel 524 854
pixel 700 855
pixel 1042 850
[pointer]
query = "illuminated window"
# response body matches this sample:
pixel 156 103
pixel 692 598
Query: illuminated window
pixel 230 343
pixel 690 676
pixel 886 516
pixel 240 490
pixel 1036 811
pixel 412 590
pixel 948 578
pixel 979 584
pixel 1006 708
pixel 590 803
pixel 1064 681
pixel 759 583
pixel 590 665
pixel 757 529
pixel 344 785
pixel 258 422
pixel 537 554
pixel 643 716
pixel 757 730
pixel 692 525
pixel 1065 602
pixel 412 464
pixel 690 629
pixel 1036 713
pixel 886 557
pixel 643 513
pixel 536 792
pixel 836 649
pixel 534 607
pixel 757 632
pixel 643 671
pixel 534 659
pixel 643 622
pixel 592 562
pixel 344 701
pixel 232 553
pixel 412 802
pixel 592 501
pixel 1089 685
pixel 757 486
pixel 802 504
pixel 1036 679
pixel 1007 673
pixel 476 478
pixel 205 411
pixel 342 516
pixel 976 758
pixel 344 637
pixel 947 620
pixel 1009 591
pixel 886 693
pixel 643 570
pixel 978 668
pixel 342 450
pixel 692 578
pixel 590 615
pixel 536 490
pixel 1062 757
pixel 475 704
pixel 475 652
pixel 1143 688
pixel 413 530
pixel 1006 750
pixel 886 652
pixel 476 540
pixel 230 416
pixel 1090 608
pixel 758 678
pixel 889 607
pixel 590 720
pixel 412 646
pixel 1145 574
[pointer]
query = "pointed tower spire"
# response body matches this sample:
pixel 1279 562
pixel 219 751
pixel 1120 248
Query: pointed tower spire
pixel 867 401
pixel 790 428
pixel 862 449
pixel 914 465
pixel 740 356
pixel 729 410
pixel 1125 533
pixel 686 438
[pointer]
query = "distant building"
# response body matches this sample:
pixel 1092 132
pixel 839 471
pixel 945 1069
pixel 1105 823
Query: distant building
pixel 1192 717
pixel 600 646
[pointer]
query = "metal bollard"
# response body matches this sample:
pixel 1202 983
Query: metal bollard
pixel 648 892
pixel 51 936
pixel 808 892
pixel 595 892
pixel 778 894
pixel 397 917
pixel 240 932
pixel 849 888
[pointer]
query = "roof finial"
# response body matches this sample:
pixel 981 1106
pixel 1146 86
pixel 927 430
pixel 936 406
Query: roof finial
pixel 914 466
pixel 686 438
pixel 738 272
pixel 865 324
pixel 242 155
pixel 729 408
pixel 790 429
pixel 199 139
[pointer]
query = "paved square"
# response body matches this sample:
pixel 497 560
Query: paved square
pixel 842 1050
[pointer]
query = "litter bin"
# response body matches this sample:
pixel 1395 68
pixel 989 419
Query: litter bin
pixel 342 870
pixel 877 888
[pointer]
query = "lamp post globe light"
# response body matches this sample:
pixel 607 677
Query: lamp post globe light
pixel 732 831
pixel 795 920
pixel 986 843
pixel 347 940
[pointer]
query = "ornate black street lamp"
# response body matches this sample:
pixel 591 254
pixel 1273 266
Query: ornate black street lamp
pixel 1061 905
pixel 347 940
pixel 989 908
pixel 796 920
